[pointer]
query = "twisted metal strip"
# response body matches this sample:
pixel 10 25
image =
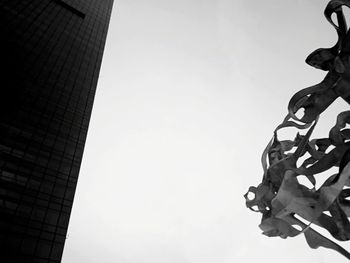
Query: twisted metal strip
pixel 280 197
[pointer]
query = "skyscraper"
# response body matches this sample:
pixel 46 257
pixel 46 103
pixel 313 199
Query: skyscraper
pixel 51 52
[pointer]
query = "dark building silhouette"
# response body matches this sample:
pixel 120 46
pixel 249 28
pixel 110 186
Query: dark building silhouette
pixel 51 52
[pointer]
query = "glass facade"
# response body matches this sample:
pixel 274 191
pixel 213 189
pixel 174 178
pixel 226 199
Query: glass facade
pixel 51 57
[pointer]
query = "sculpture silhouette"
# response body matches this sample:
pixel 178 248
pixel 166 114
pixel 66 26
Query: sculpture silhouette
pixel 288 207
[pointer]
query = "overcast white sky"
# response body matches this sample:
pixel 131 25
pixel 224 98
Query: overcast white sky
pixel 188 96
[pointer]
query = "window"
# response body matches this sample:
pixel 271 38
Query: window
pixel 70 8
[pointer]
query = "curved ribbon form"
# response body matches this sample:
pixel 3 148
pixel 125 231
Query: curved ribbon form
pixel 284 202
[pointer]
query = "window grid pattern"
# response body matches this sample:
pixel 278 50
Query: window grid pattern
pixel 54 51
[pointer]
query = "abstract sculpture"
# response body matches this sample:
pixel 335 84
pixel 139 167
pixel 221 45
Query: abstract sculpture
pixel 289 207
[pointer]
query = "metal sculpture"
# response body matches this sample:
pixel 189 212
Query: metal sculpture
pixel 288 207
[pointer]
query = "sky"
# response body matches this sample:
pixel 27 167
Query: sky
pixel 188 97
